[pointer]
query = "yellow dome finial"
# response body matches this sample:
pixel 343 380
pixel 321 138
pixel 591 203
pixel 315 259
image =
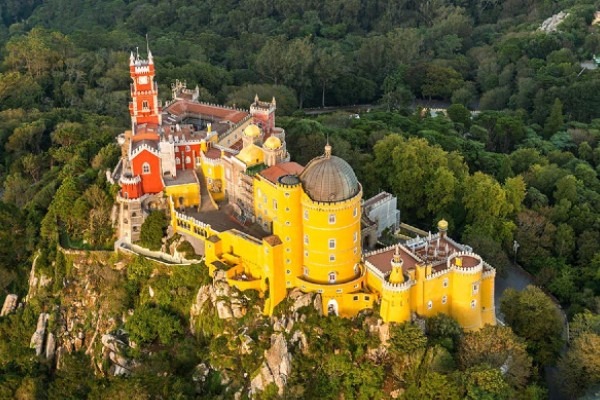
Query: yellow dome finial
pixel 396 275
pixel 442 225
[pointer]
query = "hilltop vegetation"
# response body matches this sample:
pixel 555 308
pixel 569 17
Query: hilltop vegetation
pixel 525 168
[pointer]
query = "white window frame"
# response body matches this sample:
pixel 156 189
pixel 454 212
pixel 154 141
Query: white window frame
pixel 306 215
pixel 444 299
pixel 332 277
pixel 331 244
pixel 306 239
pixel 445 282
pixel 429 304
pixel 332 258
pixel 473 303
pixel 475 288
pixel 331 219
pixel 146 168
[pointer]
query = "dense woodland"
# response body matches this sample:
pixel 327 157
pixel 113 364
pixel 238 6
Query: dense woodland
pixel 524 168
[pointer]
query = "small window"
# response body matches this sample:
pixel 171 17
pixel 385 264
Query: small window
pixel 473 303
pixel 306 215
pixel 444 299
pixel 258 191
pixel 288 250
pixel 265 199
pixel 306 238
pixel 288 261
pixel 288 223
pixel 305 271
pixel 445 282
pixel 145 105
pixel 332 277
pixel 355 236
pixel 177 161
pixel 287 209
pixel 187 148
pixel 332 243
pixel 339 291
pixel 355 298
pixel 208 171
pixel 429 305
pixel 332 218
pixel 287 271
pixel 355 213
pixel 287 194
pixel 287 239
pixel 188 160
pixel 355 250
pixel 274 204
pixel 305 253
pixel 367 298
pixel 266 250
pixel 145 168
pixel 142 80
pixel 475 288
pixel 331 257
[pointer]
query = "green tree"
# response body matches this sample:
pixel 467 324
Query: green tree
pixel 554 122
pixel 153 229
pixel 533 316
pixel 149 324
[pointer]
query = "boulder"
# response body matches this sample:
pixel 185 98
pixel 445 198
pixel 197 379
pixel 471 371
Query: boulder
pixel 276 368
pixel 50 346
pixel 37 340
pixel 10 304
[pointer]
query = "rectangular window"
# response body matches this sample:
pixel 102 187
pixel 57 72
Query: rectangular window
pixel 444 299
pixel 145 105
pixel 306 215
pixel 429 305
pixel 332 218
pixel 473 303
pixel 332 243
pixel 305 271
pixel 306 238
pixel 355 298
pixel 331 257
pixel 475 288
pixel 367 298
pixel 355 212
pixel 445 282
pixel 274 204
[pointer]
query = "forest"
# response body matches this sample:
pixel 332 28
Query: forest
pixel 516 157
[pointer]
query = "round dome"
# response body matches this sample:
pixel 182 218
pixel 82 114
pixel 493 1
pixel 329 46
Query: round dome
pixel 272 143
pixel 252 131
pixel 329 178
pixel 251 155
pixel 443 225
pixel 289 180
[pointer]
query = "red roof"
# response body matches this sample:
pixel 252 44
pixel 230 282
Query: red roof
pixel 217 112
pixel 276 171
pixel 383 261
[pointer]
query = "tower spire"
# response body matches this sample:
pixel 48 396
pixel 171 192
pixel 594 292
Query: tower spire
pixel 327 148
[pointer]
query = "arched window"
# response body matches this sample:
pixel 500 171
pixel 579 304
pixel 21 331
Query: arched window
pixel 145 168
pixel 178 161
pixel 188 160
pixel 473 303
pixel 332 277
pixel 187 148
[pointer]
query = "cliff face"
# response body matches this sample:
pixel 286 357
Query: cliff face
pixel 82 306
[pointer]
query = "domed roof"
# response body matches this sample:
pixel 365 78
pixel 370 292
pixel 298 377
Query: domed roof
pixel 252 131
pixel 251 155
pixel 329 178
pixel 443 225
pixel 272 143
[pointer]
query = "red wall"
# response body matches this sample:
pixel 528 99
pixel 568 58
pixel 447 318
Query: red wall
pixel 182 154
pixel 151 183
pixel 131 191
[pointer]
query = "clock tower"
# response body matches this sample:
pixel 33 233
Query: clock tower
pixel 144 107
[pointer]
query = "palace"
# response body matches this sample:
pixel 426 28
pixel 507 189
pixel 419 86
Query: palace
pixel 226 179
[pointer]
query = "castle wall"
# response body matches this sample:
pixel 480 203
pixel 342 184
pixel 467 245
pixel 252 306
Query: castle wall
pixel 151 182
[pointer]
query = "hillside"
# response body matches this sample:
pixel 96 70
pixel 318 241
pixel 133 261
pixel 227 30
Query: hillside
pixel 522 168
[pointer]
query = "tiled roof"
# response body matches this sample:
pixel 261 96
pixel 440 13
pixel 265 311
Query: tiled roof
pixel 276 171
pixel 217 112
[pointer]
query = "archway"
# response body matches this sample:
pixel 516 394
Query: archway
pixel 332 307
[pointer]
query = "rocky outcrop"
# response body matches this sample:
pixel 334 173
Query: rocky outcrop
pixel 39 336
pixel 276 367
pixel 10 304
pixel 227 302
pixel 382 330
pixel 113 347
pixel 551 24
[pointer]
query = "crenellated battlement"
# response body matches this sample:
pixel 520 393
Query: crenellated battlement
pixel 130 181
pixel 143 147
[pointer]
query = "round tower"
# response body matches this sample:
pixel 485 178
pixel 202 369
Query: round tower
pixel 331 220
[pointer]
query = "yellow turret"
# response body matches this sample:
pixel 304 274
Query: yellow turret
pixel 396 275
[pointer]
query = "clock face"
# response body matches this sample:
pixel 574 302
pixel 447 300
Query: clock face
pixel 142 80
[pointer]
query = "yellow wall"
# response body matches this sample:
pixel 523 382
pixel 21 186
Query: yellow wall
pixel 214 172
pixel 318 231
pixel 190 193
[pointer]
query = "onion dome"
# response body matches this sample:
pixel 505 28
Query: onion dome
pixel 272 143
pixel 442 225
pixel 252 131
pixel 329 179
pixel 251 155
